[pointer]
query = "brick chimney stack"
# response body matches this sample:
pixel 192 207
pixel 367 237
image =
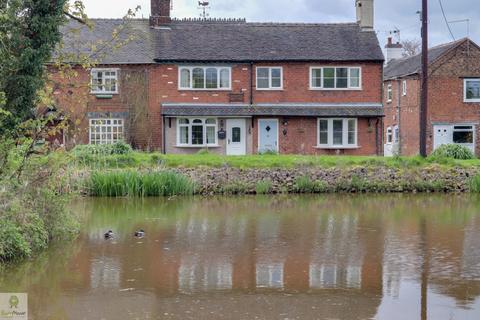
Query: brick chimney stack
pixel 160 13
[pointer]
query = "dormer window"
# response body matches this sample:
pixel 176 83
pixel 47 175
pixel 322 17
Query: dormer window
pixel 205 78
pixel 104 81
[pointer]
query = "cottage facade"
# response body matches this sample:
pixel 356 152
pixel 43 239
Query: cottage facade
pixel 230 86
pixel 454 99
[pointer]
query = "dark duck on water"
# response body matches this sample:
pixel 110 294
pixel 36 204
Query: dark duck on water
pixel 108 235
pixel 140 233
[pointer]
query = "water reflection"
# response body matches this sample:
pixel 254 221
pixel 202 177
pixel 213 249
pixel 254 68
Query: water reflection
pixel 340 257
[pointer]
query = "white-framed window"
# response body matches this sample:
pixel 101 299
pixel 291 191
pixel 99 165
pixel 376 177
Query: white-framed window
pixel 389 93
pixel 106 131
pixel 396 134
pixel 269 78
pixel 463 134
pixel 104 81
pixel 337 133
pixel 389 135
pixel 335 78
pixel 205 78
pixel 404 87
pixel 196 132
pixel 471 90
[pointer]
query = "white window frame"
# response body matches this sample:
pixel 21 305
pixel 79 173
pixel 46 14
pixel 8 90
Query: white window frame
pixel 330 144
pixel 205 126
pixel 204 68
pixel 270 87
pixel 389 93
pixel 404 88
pixel 465 99
pixel 472 130
pixel 105 140
pixel 389 135
pixel 349 87
pixel 92 85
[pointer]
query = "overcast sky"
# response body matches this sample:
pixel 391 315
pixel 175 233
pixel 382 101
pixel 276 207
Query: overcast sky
pixel 389 15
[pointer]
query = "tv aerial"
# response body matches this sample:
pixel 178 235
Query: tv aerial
pixel 204 6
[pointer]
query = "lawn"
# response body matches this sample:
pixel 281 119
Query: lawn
pixel 149 160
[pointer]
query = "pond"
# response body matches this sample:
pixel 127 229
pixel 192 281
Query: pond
pixel 284 257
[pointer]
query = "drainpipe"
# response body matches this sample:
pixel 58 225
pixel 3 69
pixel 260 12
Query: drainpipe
pixel 164 151
pixel 399 101
pixel 251 92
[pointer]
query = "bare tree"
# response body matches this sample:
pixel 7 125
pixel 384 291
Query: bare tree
pixel 411 47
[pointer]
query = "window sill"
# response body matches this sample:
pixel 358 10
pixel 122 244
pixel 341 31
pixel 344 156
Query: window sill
pixel 198 147
pixel 203 90
pixel 266 89
pixel 336 89
pixel 472 101
pixel 337 147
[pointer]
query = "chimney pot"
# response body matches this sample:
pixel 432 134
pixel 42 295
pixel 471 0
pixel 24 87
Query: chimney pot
pixel 365 14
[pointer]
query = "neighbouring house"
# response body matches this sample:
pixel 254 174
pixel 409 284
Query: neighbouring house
pixel 230 86
pixel 453 99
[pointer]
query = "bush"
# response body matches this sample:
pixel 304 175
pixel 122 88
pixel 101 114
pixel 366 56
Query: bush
pixel 135 184
pixel 306 185
pixel 118 148
pixel 453 151
pixel 263 187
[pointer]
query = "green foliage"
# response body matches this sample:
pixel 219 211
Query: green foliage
pixel 235 188
pixel 118 148
pixel 136 184
pixel 305 185
pixel 263 187
pixel 475 183
pixel 29 34
pixel 453 151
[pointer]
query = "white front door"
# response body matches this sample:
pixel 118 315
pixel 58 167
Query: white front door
pixel 236 137
pixel 267 135
pixel 443 134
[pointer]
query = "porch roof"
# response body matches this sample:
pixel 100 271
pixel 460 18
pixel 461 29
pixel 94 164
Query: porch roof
pixel 282 109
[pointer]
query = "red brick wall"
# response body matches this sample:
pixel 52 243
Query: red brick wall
pixel 301 137
pixel 160 85
pixel 446 103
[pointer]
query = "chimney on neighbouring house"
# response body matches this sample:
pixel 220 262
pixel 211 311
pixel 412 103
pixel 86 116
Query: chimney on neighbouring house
pixel 365 14
pixel 160 12
pixel 393 50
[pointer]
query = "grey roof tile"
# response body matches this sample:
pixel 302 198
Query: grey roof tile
pixel 194 40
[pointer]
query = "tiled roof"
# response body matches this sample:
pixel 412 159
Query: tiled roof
pixel 306 109
pixel 224 40
pixel 413 65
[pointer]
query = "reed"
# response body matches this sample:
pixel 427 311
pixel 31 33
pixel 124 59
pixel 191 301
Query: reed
pixel 127 183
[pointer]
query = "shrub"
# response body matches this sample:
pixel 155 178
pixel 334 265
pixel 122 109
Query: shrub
pixel 453 151
pixel 118 148
pixel 475 183
pixel 306 185
pixel 237 187
pixel 135 184
pixel 263 187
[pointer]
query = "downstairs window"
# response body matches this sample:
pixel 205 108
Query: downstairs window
pixel 335 132
pixel 106 131
pixel 196 132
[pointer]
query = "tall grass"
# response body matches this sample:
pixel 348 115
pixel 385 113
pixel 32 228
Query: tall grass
pixel 475 184
pixel 136 184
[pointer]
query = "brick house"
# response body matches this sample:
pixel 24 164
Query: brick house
pixel 454 98
pixel 233 87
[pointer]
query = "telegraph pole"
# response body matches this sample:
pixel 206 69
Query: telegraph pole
pixel 424 94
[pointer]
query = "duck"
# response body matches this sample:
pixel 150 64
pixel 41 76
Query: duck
pixel 108 235
pixel 140 233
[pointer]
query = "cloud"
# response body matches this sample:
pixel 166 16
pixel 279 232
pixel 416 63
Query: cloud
pixel 389 14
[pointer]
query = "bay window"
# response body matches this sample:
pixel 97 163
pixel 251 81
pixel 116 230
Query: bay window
pixel 104 81
pixel 106 131
pixel 333 133
pixel 335 78
pixel 205 78
pixel 472 90
pixel 196 132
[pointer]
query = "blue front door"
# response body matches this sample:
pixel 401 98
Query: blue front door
pixel 268 135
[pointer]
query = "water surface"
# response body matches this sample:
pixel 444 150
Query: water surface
pixel 320 257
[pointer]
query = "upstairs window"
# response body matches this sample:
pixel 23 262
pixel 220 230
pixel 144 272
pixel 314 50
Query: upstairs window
pixel 269 78
pixel 389 93
pixel 472 90
pixel 336 78
pixel 333 133
pixel 205 78
pixel 104 81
